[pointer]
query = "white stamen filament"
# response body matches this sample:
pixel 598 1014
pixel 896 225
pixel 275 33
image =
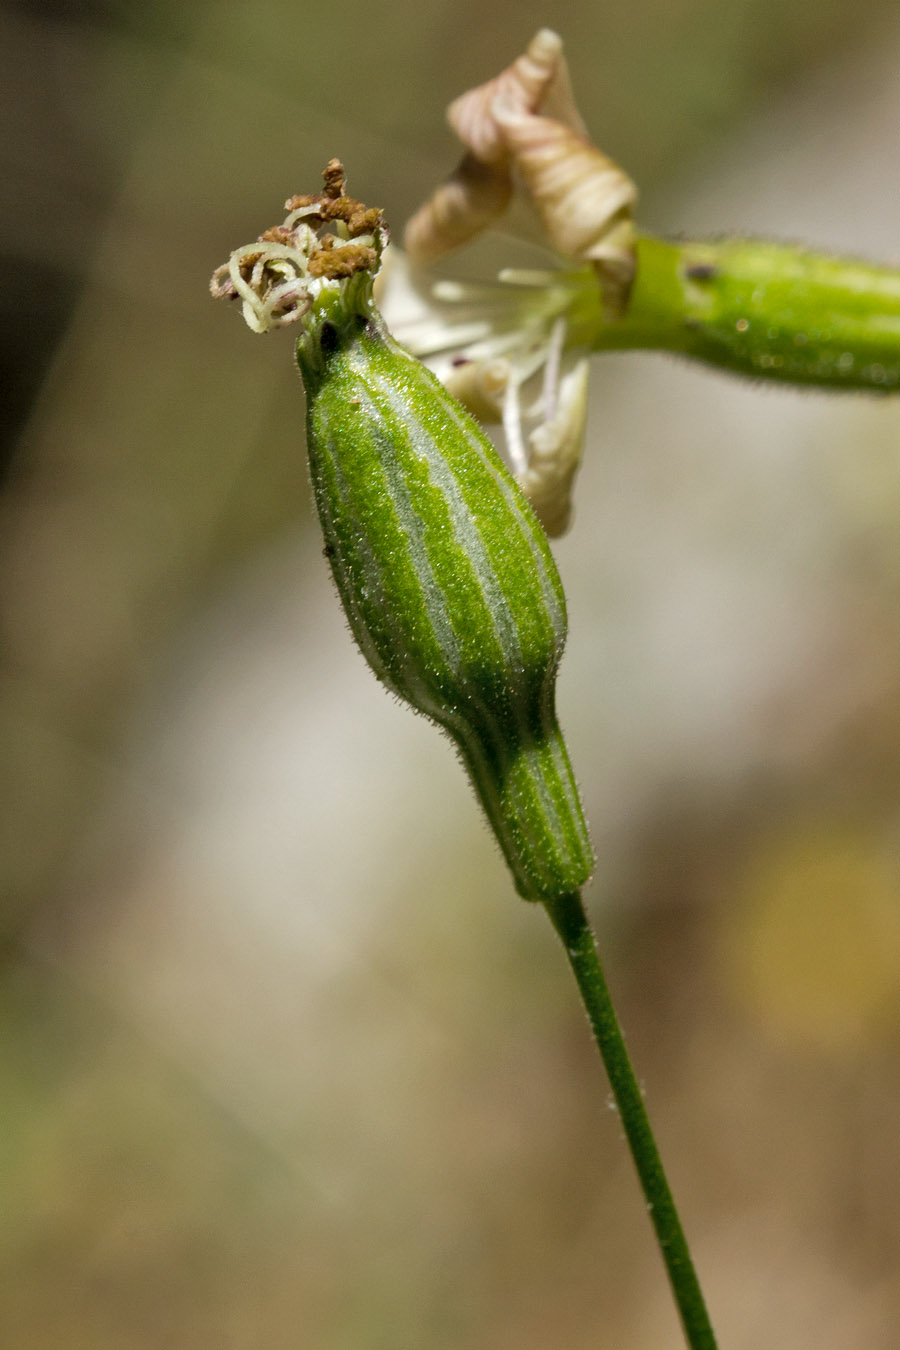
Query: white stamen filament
pixel 551 368
pixel 279 289
pixel 512 430
pixel 538 277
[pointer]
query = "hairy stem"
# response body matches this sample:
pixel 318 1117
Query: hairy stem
pixel 768 310
pixel 568 918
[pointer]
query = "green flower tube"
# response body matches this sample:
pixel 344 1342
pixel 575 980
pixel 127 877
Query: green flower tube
pixel 772 311
pixel 443 570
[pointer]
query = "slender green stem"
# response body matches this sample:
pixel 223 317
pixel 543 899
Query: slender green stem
pixel 568 918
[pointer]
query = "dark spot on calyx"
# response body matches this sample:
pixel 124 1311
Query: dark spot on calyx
pixel 329 340
pixel 701 271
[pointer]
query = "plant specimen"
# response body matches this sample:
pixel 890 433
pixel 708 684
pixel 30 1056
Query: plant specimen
pixel 438 546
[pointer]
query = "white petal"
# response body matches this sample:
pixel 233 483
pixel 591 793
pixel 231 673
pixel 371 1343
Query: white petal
pixel 556 449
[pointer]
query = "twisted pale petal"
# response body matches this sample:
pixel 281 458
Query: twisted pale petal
pixel 556 448
pixel 531 82
pixel 479 189
pixel 480 387
pixel 585 201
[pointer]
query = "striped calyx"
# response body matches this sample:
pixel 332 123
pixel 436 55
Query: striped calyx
pixel 444 573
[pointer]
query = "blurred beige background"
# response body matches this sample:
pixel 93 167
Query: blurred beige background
pixel 284 1062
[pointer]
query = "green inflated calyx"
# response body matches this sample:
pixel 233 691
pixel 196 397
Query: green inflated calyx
pixel 445 575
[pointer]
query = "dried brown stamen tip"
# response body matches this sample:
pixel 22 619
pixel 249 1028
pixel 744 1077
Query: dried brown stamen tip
pixel 251 255
pixel 221 287
pixel 333 204
pixel 342 261
pixel 278 234
pixel 359 218
pixel 326 238
pixel 333 177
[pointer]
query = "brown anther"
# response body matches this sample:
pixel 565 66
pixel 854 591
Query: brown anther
pixel 343 261
pixel 250 256
pixel 278 234
pixel 333 177
pixel 333 204
pixel 364 220
pixel 329 255
pixel 338 208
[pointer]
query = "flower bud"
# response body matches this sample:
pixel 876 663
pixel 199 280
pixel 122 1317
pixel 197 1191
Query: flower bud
pixel 444 573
